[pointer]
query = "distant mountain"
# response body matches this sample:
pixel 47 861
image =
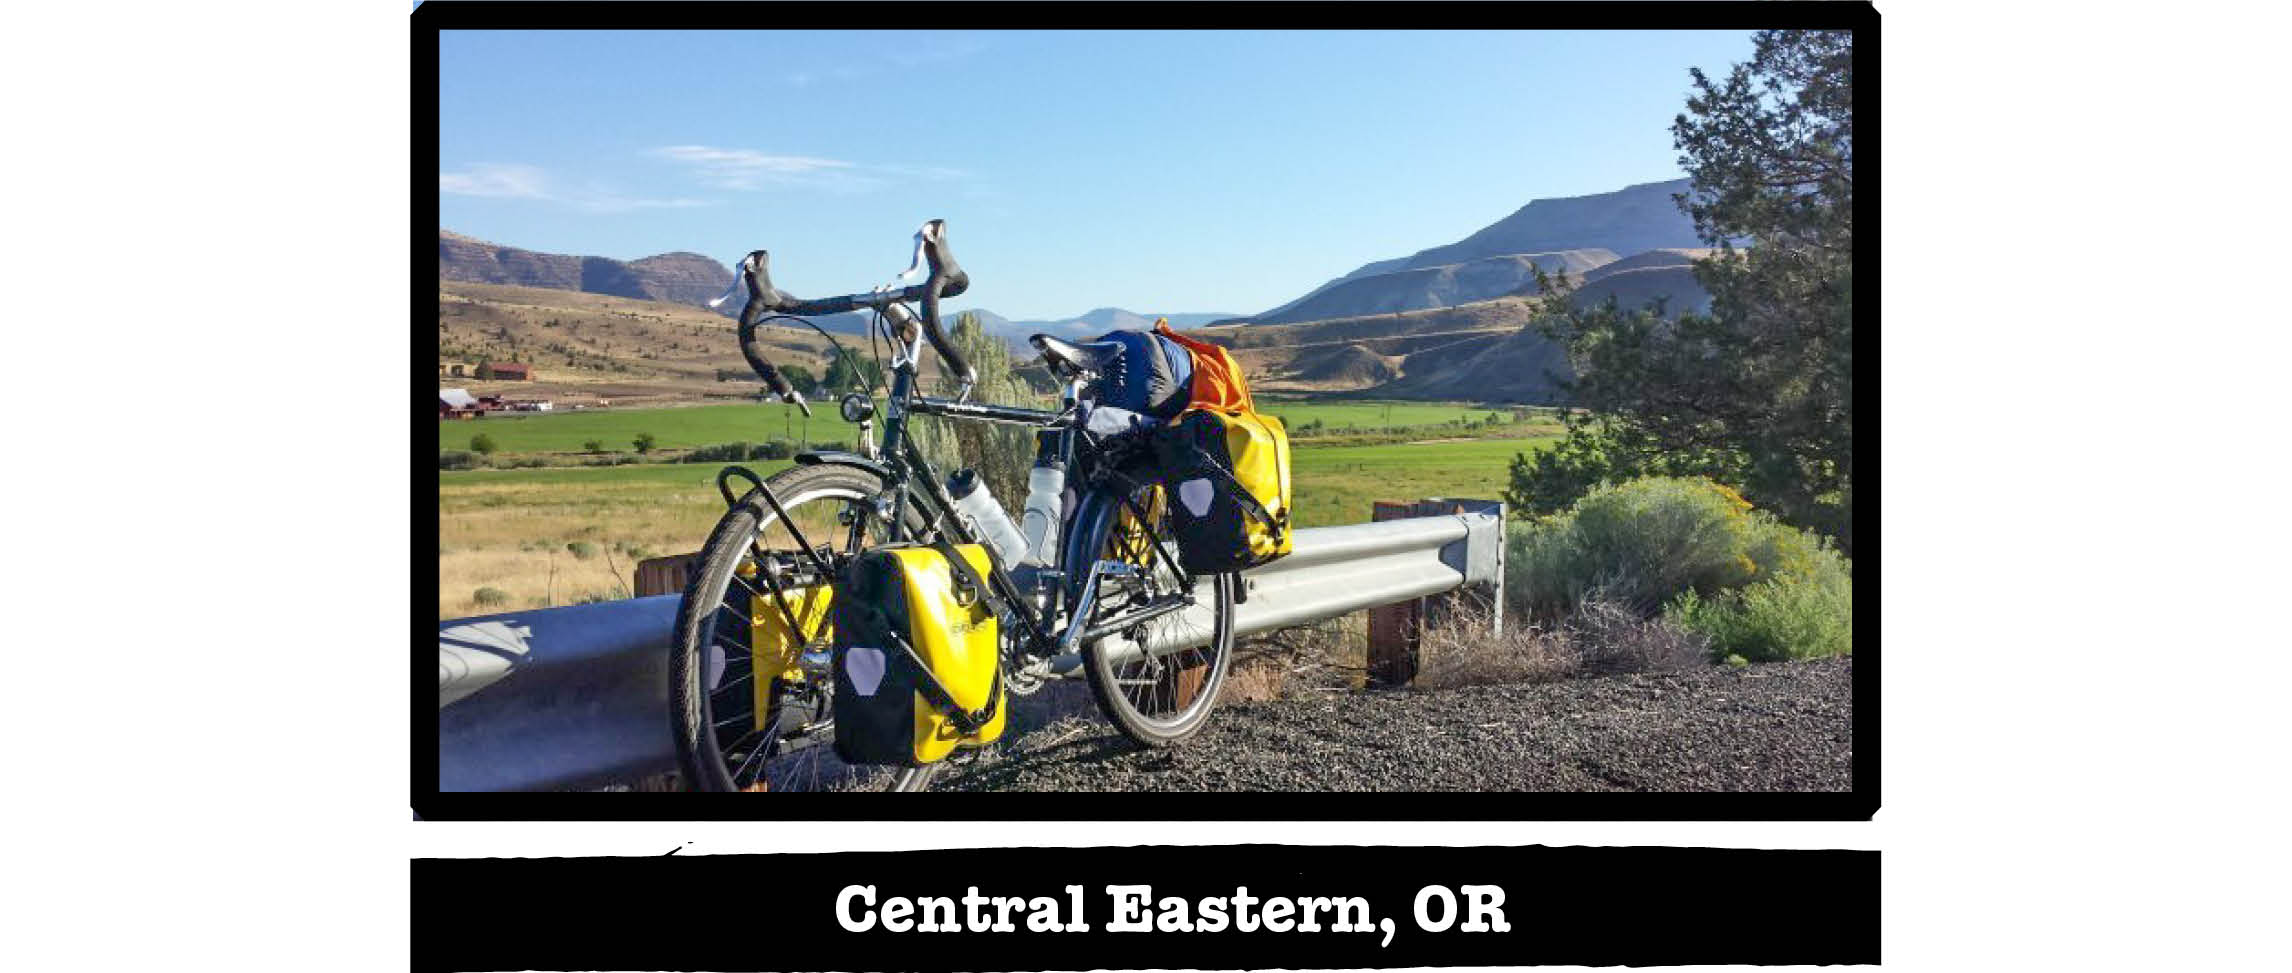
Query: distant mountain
pixel 1089 324
pixel 1631 220
pixel 678 278
pixel 694 279
pixel 1418 288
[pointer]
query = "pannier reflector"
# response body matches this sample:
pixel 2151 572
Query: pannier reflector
pixel 865 665
pixel 1195 494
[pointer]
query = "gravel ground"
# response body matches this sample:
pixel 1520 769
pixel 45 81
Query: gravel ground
pixel 1779 727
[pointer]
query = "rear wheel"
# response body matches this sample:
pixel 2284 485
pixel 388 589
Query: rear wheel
pixel 733 734
pixel 1157 680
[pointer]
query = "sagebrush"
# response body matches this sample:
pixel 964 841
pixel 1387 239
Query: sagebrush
pixel 1753 585
pixel 1598 637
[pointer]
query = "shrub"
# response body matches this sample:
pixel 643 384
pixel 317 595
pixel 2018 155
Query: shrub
pixel 490 596
pixel 775 449
pixel 1598 637
pixel 1003 454
pixel 719 453
pixel 1644 542
pixel 482 443
pixel 1775 620
pixel 455 459
pixel 585 550
pixel 644 442
pixel 593 446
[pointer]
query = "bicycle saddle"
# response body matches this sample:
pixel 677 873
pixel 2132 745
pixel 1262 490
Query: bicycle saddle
pixel 1069 359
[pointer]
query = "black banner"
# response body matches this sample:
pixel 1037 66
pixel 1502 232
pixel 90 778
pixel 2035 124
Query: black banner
pixel 1173 907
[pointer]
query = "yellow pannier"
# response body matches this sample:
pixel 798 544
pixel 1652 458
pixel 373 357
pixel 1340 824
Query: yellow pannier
pixel 918 664
pixel 1226 475
pixel 776 648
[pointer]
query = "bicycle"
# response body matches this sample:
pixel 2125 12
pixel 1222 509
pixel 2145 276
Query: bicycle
pixel 1153 640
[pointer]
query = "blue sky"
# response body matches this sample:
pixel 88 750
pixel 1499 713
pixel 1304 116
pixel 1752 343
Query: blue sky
pixel 1151 171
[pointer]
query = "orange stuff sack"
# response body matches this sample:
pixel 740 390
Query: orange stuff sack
pixel 1218 383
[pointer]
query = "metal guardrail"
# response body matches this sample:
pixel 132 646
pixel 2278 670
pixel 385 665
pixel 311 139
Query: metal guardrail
pixel 568 698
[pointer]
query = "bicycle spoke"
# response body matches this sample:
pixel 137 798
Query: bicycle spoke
pixel 747 654
pixel 761 749
pixel 726 607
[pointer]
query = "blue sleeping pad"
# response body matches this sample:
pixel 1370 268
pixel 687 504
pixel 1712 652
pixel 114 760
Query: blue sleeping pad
pixel 1153 376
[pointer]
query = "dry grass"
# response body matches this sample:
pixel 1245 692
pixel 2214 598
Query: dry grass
pixel 1307 660
pixel 1600 637
pixel 514 536
pixel 1254 680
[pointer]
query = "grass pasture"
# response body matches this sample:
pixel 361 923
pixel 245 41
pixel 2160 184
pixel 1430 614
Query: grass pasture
pixel 1372 414
pixel 684 427
pixel 672 428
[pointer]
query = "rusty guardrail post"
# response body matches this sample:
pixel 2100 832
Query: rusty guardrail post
pixel 1395 630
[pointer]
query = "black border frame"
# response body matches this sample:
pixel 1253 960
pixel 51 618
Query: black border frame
pixel 1860 804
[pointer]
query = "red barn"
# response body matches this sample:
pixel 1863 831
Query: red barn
pixel 508 371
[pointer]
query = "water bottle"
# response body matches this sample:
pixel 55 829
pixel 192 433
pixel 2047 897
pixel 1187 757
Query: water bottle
pixel 1038 525
pixel 977 506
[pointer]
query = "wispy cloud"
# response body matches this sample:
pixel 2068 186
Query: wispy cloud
pixel 493 179
pixel 750 169
pixel 512 181
pixel 909 56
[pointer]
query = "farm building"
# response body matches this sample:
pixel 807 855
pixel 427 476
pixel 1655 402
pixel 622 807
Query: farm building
pixel 507 371
pixel 453 370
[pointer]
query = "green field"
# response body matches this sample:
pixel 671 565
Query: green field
pixel 1338 484
pixel 699 425
pixel 1371 414
pixel 702 425
pixel 509 530
pixel 667 475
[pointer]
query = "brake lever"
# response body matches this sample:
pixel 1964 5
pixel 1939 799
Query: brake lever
pixel 915 263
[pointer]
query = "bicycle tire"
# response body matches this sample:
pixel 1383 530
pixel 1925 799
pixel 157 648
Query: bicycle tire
pixel 1185 684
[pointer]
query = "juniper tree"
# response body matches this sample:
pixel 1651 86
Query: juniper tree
pixel 1758 391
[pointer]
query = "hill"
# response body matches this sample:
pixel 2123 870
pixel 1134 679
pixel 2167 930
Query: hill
pixel 1629 220
pixel 1089 324
pixel 1635 289
pixel 678 278
pixel 1437 286
pixel 1667 257
pixel 587 347
pixel 694 279
pixel 1521 366
pixel 1378 352
pixel 1632 220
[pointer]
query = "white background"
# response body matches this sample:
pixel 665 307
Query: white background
pixel 2083 359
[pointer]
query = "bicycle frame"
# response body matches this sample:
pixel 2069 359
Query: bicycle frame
pixel 910 476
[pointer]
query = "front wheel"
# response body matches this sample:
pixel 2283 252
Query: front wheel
pixel 1159 679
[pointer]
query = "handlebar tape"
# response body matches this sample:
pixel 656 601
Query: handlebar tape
pixel 947 280
pixel 763 299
